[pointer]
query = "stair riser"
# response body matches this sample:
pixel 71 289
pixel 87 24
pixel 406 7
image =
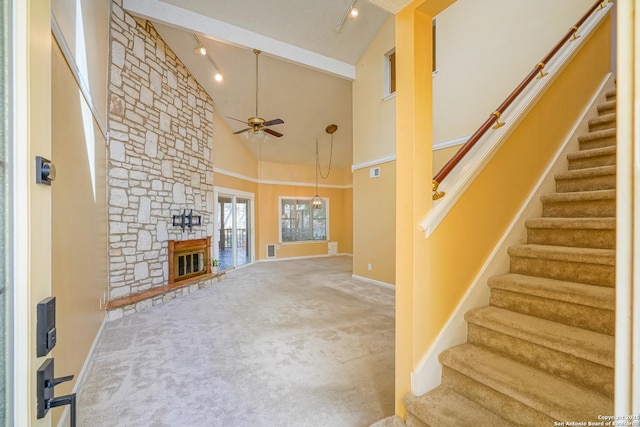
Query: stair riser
pixel 580 272
pixel 606 109
pixel 611 96
pixel 508 408
pixel 597 143
pixel 413 421
pixel 592 162
pixel 597 125
pixel 569 367
pixel 587 238
pixel 605 182
pixel 580 209
pixel 590 318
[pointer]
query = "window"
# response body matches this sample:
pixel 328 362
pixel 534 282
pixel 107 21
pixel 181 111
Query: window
pixel 300 222
pixel 390 72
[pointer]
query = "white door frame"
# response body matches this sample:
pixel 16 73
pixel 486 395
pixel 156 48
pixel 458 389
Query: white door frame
pixel 221 191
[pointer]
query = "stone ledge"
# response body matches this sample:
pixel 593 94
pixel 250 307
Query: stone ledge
pixel 130 304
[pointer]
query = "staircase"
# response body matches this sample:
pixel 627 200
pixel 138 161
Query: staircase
pixel 543 350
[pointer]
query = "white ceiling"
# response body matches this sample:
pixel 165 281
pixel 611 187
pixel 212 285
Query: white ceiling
pixel 305 70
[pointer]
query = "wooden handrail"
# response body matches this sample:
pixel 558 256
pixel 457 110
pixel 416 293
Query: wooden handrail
pixel 494 118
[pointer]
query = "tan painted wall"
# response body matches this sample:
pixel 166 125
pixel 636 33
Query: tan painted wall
pixel 230 154
pixel 374 125
pixel 93 34
pixel 375 228
pixel 374 138
pixel 79 234
pixel 475 40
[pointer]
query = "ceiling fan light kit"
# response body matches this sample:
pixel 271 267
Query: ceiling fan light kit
pixel 257 127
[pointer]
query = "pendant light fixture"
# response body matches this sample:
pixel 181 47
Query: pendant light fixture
pixel 316 202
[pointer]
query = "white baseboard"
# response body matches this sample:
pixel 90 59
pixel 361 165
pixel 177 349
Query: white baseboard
pixel 300 257
pixel 428 373
pixel 64 419
pixel 374 282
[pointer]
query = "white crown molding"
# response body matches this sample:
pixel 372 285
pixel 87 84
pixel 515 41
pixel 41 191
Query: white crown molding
pixel 275 182
pixel 452 142
pixel 380 160
pixel 465 173
pixel 159 11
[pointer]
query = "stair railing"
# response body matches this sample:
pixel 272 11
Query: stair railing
pixel 493 121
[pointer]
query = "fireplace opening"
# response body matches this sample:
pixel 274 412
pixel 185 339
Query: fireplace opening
pixel 188 259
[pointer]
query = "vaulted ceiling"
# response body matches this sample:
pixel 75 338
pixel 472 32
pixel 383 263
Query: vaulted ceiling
pixel 310 51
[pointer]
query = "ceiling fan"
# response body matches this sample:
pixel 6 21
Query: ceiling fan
pixel 257 124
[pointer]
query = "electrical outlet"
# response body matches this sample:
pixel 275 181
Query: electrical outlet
pixel 369 267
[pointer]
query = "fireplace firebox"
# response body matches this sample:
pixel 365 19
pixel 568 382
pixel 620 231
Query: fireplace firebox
pixel 189 258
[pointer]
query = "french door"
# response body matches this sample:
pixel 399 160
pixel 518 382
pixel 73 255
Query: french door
pixel 234 228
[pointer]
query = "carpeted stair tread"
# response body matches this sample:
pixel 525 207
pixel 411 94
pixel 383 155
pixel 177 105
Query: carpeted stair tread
pixel 565 253
pixel 392 421
pixel 597 203
pixel 608 223
pixel 444 407
pixel 586 179
pixel 578 342
pixel 557 398
pixel 589 139
pixel 587 173
pixel 604 156
pixel 561 290
pixel 580 196
pixel 606 107
pixel 604 121
pixel 611 94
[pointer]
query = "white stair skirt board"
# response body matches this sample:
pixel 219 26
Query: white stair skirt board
pixel 374 282
pixel 64 418
pixel 427 375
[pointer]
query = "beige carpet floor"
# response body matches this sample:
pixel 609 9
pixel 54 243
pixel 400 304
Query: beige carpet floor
pixel 291 343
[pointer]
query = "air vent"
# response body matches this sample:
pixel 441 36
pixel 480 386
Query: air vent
pixel 374 172
pixel 271 251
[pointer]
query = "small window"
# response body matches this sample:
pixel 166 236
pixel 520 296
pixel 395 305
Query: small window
pixel 301 222
pixel 390 72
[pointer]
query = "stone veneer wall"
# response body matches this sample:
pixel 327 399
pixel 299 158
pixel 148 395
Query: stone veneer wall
pixel 160 155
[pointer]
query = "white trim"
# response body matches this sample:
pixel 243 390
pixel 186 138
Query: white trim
pixel 84 88
pixel 374 282
pixel 451 142
pixel 156 10
pixel 19 128
pixel 463 176
pixel 273 182
pixel 427 374
pixel 293 258
pixel 388 97
pixel 374 162
pixel 64 418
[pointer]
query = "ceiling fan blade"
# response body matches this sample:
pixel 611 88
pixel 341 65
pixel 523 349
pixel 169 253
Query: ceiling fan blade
pixel 273 132
pixel 273 122
pixel 237 120
pixel 240 131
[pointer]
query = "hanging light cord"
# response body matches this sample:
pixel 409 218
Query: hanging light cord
pixel 318 168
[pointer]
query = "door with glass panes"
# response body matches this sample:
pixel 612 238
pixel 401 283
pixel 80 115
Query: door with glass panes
pixel 234 230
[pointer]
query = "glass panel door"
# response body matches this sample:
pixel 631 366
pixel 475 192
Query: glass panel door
pixel 234 231
pixel 243 252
